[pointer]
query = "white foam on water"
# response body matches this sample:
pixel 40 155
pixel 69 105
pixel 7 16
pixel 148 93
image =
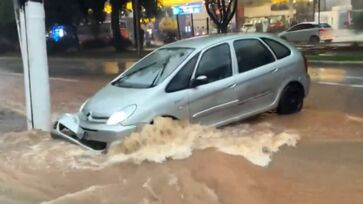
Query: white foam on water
pixel 168 139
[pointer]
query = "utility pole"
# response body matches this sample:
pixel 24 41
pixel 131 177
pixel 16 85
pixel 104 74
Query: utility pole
pixel 30 18
pixel 319 10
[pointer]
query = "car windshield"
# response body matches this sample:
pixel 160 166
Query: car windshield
pixel 154 68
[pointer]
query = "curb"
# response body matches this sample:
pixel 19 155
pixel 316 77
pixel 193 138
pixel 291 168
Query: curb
pixel 332 62
pixel 57 59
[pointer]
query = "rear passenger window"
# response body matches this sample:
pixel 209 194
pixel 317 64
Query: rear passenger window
pixel 251 54
pixel 182 79
pixel 279 49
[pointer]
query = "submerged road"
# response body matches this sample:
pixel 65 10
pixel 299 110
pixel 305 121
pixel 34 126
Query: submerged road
pixel 325 167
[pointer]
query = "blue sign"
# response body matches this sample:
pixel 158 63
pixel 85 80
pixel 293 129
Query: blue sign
pixel 57 32
pixel 187 9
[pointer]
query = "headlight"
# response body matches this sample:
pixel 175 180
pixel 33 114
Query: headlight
pixel 121 116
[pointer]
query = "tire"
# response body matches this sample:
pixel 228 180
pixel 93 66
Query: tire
pixel 314 39
pixel 291 100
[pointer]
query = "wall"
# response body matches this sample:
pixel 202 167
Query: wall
pixel 337 17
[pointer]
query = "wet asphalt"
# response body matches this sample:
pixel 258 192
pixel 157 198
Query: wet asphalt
pixel 334 87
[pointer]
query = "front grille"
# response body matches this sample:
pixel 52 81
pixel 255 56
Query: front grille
pixel 100 118
pixel 89 130
pixel 96 119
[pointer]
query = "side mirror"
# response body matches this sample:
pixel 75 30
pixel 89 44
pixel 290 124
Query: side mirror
pixel 200 80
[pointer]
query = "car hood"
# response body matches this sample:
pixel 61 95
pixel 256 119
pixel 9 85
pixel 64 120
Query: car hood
pixel 112 99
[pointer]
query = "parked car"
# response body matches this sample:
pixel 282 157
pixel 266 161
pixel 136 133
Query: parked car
pixel 248 28
pixel 309 32
pixel 212 80
pixel 276 27
pixel 95 35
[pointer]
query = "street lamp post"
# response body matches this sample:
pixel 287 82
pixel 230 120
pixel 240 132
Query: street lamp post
pixel 30 18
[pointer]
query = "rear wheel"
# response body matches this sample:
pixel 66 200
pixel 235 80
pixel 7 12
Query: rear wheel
pixel 314 39
pixel 292 99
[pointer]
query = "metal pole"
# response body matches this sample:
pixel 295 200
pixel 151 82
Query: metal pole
pixel 178 26
pixel 31 29
pixel 319 9
pixel 136 9
pixel 192 24
pixel 208 25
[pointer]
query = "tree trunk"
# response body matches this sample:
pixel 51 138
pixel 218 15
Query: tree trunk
pixel 223 29
pixel 118 41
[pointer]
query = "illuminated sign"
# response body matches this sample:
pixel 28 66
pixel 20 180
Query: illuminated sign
pixel 187 9
pixel 169 3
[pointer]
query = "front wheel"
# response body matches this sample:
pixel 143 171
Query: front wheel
pixel 314 39
pixel 292 99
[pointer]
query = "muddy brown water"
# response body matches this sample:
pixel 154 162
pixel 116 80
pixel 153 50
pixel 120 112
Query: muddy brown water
pixel 174 162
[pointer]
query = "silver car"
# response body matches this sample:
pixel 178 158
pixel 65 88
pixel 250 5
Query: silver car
pixel 309 33
pixel 212 80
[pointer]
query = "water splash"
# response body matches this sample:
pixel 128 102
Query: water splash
pixel 169 139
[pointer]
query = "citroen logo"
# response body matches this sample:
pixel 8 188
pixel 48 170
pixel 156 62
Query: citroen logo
pixel 89 116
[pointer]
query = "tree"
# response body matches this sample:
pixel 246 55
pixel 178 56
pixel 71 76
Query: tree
pixel 7 20
pixel 221 12
pixel 65 12
pixel 149 8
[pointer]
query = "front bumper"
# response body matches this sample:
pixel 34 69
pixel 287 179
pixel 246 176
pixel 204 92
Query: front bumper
pixel 92 136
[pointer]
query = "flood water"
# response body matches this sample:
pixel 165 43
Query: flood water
pixel 257 161
pixel 310 157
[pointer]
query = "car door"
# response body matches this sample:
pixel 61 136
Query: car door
pixel 257 80
pixel 214 101
pixel 296 33
pixel 310 31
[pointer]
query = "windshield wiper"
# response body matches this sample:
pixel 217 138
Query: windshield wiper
pixel 119 81
pixel 161 72
pixel 140 69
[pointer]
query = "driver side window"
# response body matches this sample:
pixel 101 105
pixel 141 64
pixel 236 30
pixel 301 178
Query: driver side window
pixel 216 63
pixel 181 80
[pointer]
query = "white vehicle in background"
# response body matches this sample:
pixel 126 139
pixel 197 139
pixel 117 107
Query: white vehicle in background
pixel 309 32
pixel 248 28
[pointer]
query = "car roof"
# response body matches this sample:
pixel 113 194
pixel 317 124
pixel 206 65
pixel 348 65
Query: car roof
pixel 209 40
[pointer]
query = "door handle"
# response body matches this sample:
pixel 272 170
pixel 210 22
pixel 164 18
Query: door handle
pixel 275 70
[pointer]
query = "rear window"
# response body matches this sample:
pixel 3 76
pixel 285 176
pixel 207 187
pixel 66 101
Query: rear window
pixel 324 25
pixel 280 50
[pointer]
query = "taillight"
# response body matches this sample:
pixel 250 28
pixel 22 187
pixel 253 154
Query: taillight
pixel 322 30
pixel 305 64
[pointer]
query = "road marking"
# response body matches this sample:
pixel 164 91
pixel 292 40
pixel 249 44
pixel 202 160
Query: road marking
pixel 52 78
pixel 341 84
